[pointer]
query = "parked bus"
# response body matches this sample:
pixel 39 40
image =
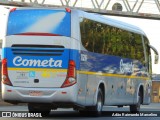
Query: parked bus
pixel 66 58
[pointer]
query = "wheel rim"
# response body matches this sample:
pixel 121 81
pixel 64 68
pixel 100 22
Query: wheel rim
pixel 139 103
pixel 99 103
pixel 99 106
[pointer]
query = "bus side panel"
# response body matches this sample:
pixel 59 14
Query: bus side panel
pixel 121 76
pixel 82 88
pixel 91 89
pixel 118 91
pixel 147 92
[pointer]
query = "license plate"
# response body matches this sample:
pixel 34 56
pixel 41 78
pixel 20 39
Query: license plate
pixel 35 93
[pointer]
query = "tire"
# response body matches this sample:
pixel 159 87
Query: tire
pixel 99 104
pixel 94 110
pixel 136 108
pixel 36 108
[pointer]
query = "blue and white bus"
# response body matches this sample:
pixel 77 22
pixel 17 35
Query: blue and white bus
pixel 64 58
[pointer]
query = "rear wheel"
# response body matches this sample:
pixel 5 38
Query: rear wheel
pixel 99 105
pixel 39 108
pixel 97 109
pixel 136 108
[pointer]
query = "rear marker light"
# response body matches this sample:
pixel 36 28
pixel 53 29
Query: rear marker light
pixel 9 90
pixel 64 92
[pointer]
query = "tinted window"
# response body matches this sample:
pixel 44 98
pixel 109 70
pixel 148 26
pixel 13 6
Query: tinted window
pixel 39 21
pixel 101 38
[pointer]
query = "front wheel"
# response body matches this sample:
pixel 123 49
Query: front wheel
pixel 136 108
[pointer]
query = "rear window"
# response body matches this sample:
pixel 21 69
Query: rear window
pixel 39 21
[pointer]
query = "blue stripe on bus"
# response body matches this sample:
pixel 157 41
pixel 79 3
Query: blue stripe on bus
pixel 40 61
pixel 112 64
pixel 94 62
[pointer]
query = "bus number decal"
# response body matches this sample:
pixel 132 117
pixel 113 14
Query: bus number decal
pixel 83 57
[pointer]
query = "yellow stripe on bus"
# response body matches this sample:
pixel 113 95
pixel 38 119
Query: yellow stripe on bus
pixel 39 69
pixel 81 72
pixel 112 75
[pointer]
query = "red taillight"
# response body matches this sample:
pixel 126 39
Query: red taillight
pixel 5 78
pixel 37 34
pixel 71 75
pixel 71 69
pixel 4 67
pixel 68 10
pixel 13 9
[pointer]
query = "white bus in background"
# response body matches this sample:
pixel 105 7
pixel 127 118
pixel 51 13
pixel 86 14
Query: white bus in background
pixel 64 58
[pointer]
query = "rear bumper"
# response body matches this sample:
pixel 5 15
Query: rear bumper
pixel 48 95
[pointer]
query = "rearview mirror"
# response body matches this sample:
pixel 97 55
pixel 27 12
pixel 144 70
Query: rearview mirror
pixel 156 56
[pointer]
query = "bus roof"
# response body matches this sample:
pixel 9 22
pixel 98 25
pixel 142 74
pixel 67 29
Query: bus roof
pixel 113 22
pixel 101 19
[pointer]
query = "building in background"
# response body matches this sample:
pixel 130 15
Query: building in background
pixel 156 88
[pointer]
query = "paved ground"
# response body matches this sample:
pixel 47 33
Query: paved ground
pixel 109 113
pixel 155 107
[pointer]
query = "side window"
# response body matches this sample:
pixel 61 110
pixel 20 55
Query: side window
pixel 123 43
pixel 87 34
pixel 101 38
pixel 92 35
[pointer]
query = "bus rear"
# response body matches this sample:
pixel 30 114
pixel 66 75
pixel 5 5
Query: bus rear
pixel 38 63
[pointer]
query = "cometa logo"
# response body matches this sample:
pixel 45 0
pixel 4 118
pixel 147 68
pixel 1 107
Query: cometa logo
pixel 126 67
pixel 19 61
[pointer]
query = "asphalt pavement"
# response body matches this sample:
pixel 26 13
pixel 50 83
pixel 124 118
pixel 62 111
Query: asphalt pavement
pixel 148 112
